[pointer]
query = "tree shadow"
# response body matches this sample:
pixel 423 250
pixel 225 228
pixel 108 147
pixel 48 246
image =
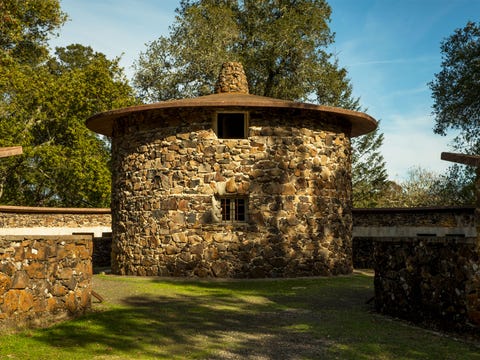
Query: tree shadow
pixel 263 319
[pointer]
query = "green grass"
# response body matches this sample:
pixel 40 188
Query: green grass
pixel 151 318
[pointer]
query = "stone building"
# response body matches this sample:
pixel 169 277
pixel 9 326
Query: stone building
pixel 231 185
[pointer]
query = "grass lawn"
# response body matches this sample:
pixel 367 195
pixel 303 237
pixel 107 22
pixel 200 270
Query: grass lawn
pixel 153 318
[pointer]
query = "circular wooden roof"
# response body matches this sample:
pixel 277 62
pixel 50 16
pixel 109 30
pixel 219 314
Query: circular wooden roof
pixel 102 123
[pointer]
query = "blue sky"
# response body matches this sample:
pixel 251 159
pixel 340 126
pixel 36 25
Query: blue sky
pixel 391 49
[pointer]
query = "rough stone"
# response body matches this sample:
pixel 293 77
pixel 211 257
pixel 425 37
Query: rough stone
pixel 232 79
pixel 239 175
pixel 5 283
pixel 35 292
pixel 430 279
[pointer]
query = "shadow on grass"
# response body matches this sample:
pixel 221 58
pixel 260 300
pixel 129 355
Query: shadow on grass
pixel 298 319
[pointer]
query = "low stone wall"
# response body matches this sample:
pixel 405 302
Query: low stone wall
pixel 43 279
pixel 429 279
pixel 410 222
pixel 21 220
pixel 393 223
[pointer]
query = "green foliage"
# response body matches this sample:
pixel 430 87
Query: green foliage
pixel 25 26
pixel 456 87
pixel 427 188
pixel 369 176
pixel 456 105
pixel 420 188
pixel 457 186
pixel 283 47
pixel 44 109
pixel 44 102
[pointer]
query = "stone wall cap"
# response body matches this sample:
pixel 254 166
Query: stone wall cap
pixel 414 209
pixel 68 238
pixel 51 210
pixel 361 123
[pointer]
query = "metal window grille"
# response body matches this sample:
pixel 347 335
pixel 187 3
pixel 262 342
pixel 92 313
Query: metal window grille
pixel 233 209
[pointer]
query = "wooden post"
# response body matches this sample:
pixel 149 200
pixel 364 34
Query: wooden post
pixel 10 151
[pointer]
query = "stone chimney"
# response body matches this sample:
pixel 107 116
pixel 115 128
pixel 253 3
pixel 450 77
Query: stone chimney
pixel 232 79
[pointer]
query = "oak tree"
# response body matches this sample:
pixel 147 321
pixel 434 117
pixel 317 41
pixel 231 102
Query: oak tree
pixel 44 101
pixel 283 45
pixel 456 104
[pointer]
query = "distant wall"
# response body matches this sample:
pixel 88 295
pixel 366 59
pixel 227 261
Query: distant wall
pixel 368 224
pixel 393 223
pixel 44 279
pixel 407 222
pixel 429 279
pixel 20 220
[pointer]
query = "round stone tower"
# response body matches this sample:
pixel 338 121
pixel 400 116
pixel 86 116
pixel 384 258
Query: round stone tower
pixel 231 185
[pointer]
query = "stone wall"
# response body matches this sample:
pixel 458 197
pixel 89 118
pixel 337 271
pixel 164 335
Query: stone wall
pixel 431 279
pixel 409 222
pixel 20 220
pixel 43 279
pixel 369 224
pixel 170 171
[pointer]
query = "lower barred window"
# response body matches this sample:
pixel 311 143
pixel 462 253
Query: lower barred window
pixel 234 209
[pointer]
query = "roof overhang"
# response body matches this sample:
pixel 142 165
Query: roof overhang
pixel 361 123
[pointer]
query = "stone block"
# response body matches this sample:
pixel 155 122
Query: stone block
pixel 5 283
pixel 65 273
pixel 59 290
pixel 71 302
pixel 20 280
pixel 10 302
pixel 36 270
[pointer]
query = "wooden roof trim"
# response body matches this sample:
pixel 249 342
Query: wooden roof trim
pixel 102 123
pixel 472 160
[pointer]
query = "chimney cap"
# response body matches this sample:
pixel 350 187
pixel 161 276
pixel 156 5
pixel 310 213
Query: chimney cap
pixel 232 79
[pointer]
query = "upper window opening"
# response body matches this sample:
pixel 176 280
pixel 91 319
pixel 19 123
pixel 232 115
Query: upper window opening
pixel 231 125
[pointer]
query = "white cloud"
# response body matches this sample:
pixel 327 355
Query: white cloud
pixel 410 142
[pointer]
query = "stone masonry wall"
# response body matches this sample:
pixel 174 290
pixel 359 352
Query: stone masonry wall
pixel 18 216
pixel 440 217
pixel 369 224
pixel 433 280
pixel 170 172
pixel 43 279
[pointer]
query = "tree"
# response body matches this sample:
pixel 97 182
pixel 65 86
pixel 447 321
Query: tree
pixel 25 27
pixel 369 176
pixel 422 187
pixel 283 47
pixel 44 109
pixel 456 87
pixel 44 102
pixel 456 105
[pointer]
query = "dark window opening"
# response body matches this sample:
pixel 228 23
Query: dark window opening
pixel 233 209
pixel 231 125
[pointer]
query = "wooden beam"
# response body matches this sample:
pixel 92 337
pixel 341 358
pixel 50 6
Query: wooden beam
pixel 472 160
pixel 10 151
